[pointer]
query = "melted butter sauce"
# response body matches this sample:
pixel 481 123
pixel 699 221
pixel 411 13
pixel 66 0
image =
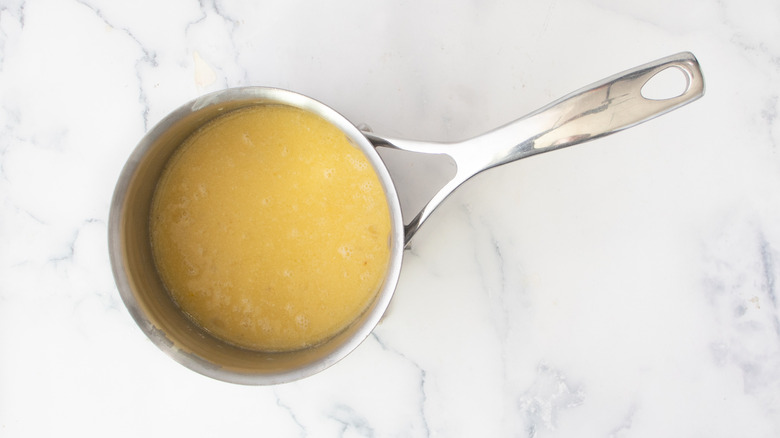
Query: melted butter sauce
pixel 269 229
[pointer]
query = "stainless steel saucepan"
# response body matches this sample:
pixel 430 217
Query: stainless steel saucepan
pixel 608 106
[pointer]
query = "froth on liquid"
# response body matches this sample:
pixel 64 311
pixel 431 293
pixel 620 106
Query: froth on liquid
pixel 269 229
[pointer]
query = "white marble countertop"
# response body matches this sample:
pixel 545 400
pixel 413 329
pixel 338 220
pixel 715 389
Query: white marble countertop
pixel 627 287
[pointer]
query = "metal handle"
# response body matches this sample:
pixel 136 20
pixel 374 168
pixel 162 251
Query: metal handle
pixel 600 109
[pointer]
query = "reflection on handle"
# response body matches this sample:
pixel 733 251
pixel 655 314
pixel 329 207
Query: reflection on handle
pixel 608 106
pixel 600 109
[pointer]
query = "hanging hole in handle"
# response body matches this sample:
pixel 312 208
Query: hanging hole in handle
pixel 668 83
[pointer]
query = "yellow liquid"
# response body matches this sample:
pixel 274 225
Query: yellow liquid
pixel 269 229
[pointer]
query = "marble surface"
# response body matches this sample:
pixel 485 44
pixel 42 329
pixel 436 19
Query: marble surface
pixel 627 287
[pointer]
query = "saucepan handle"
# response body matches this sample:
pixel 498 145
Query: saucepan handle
pixel 610 105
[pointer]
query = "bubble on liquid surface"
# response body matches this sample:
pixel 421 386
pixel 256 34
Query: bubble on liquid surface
pixel 366 186
pixel 302 321
pixel 181 217
pixel 192 270
pixel 345 251
pixel 357 162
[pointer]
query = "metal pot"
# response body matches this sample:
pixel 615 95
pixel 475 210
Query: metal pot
pixel 608 106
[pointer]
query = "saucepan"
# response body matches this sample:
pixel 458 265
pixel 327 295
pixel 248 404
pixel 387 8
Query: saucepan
pixel 605 107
